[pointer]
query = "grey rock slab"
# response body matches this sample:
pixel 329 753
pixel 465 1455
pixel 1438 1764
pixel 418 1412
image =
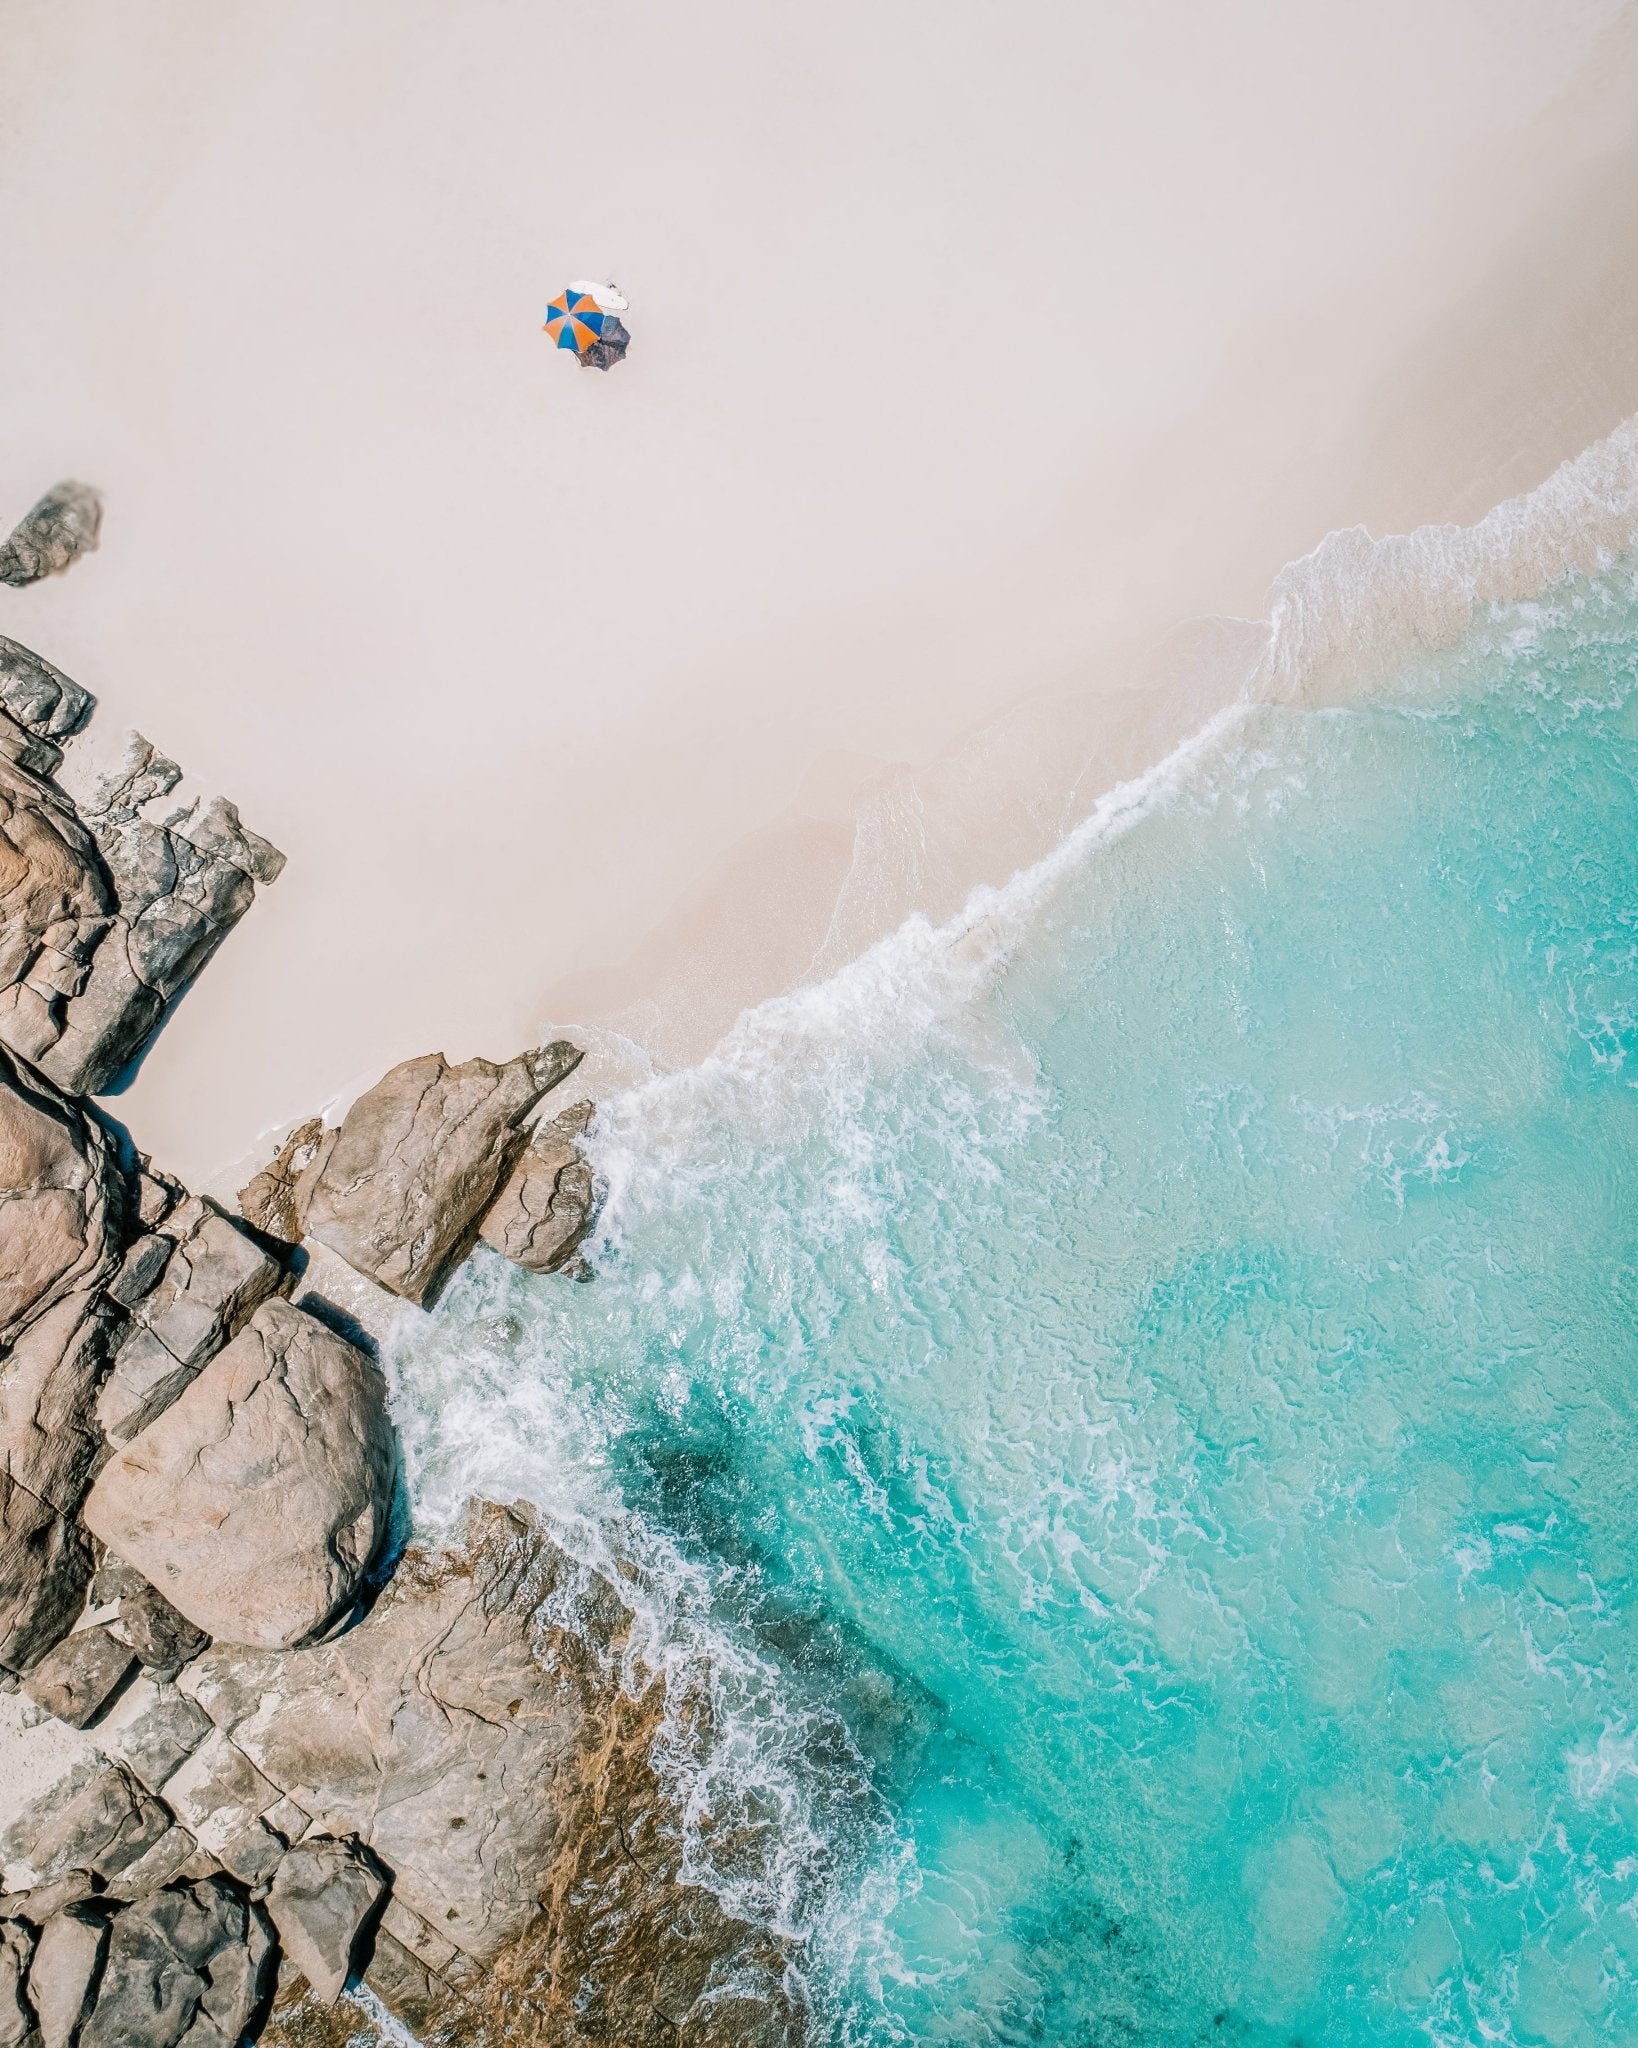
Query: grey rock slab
pixel 429 1731
pixel 77 1679
pixel 543 1213
pixel 38 1904
pixel 158 1195
pixel 184 1966
pixel 268 1199
pixel 323 1896
pixel 113 1581
pixel 141 1268
pixel 16 2015
pixel 25 750
pixel 167 903
pixel 146 1379
pixel 166 1861
pixel 43 1764
pixel 153 1729
pixel 422 1941
pixel 38 696
pixel 258 1498
pixel 217 830
pixel 55 531
pixel 63 1975
pixel 49 1441
pixel 49 1448
pixel 288 1820
pixel 252 1854
pixel 218 1791
pixel 215 1275
pixel 104 1828
pixel 401 1189
pixel 403 1983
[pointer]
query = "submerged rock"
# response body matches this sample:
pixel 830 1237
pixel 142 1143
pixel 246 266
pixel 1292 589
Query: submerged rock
pixel 257 1500
pixel 57 530
pixel 401 1188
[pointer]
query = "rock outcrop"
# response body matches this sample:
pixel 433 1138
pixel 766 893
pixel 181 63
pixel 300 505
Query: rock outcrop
pixel 213 1751
pixel 184 1966
pixel 542 1215
pixel 76 1680
pixel 268 1200
pixel 111 897
pixel 56 531
pixel 256 1501
pixel 400 1189
pixel 537 1890
pixel 182 877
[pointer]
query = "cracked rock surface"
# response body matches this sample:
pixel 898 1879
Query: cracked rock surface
pixel 400 1189
pixel 256 1501
pixel 113 892
pixel 424 1731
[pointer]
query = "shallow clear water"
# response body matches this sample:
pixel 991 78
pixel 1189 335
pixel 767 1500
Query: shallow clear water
pixel 1131 1410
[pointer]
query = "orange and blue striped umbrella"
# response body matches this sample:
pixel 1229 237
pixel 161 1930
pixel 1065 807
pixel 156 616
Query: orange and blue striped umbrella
pixel 574 320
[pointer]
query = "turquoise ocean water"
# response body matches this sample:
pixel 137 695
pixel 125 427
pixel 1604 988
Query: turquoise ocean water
pixel 1130 1409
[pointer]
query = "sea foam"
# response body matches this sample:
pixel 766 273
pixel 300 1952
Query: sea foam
pixel 1113 1401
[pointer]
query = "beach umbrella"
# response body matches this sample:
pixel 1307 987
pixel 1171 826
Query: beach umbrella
pixel 609 347
pixel 574 320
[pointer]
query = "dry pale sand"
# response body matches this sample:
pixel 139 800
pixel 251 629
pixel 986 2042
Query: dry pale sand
pixel 978 350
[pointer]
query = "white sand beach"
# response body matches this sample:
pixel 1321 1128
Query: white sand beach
pixel 976 353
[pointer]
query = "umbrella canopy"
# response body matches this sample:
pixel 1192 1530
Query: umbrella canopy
pixel 574 320
pixel 609 347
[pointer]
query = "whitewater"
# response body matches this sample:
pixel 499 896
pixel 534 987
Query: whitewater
pixel 1122 1406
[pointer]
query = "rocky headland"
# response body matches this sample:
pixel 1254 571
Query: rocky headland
pixel 253 1747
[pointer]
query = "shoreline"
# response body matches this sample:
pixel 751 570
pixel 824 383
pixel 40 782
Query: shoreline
pixel 532 777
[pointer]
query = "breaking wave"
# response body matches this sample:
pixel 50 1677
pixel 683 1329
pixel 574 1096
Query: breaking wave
pixel 1111 1411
